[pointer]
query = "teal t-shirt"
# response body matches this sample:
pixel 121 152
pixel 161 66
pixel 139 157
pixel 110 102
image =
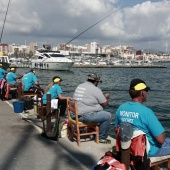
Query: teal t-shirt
pixel 11 78
pixel 142 118
pixel 55 90
pixel 2 72
pixel 29 79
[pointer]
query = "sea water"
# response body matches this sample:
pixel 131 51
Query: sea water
pixel 116 82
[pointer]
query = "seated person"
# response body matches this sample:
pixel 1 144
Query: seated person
pixel 12 78
pixel 56 92
pixel 2 72
pixel 91 102
pixel 30 82
pixel 143 118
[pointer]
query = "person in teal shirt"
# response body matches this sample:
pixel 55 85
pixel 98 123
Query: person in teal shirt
pixel 31 83
pixel 56 93
pixel 2 72
pixel 143 118
pixel 11 77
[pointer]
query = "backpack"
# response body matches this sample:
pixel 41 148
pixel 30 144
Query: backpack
pixel 4 89
pixel 28 103
pixel 109 162
pixel 138 155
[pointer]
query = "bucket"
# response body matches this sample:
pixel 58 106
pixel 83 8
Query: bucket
pixel 18 106
pixel 28 103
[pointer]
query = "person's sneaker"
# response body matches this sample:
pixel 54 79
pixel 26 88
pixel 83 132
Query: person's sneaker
pixel 106 141
pixel 92 137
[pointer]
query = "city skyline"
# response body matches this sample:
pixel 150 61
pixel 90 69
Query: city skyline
pixel 141 24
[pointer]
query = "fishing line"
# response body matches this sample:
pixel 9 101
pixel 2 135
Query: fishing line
pixel 4 20
pixel 88 29
pixel 91 26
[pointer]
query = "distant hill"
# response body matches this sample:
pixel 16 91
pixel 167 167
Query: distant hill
pixel 151 51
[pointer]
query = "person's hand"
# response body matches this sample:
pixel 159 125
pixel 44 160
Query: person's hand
pixel 70 98
pixel 107 96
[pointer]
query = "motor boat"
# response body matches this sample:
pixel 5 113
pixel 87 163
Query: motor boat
pixel 51 60
pixel 4 60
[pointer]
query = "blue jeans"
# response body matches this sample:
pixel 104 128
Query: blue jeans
pixel 165 148
pixel 101 117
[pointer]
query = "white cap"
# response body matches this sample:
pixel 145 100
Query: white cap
pixel 126 132
pixel 125 145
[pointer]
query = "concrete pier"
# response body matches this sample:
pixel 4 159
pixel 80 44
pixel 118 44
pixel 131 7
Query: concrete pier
pixel 23 147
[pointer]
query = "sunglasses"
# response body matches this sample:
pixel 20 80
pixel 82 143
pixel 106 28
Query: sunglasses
pixel 145 90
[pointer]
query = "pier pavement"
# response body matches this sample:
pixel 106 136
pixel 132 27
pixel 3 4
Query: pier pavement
pixel 23 147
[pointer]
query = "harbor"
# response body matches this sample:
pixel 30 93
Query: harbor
pixel 119 66
pixel 29 149
pixel 84 63
pixel 122 48
pixel 116 82
pixel 96 66
pixel 56 58
pixel 53 60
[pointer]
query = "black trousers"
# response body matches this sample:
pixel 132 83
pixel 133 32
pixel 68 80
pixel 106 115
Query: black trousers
pixel 62 104
pixel 37 89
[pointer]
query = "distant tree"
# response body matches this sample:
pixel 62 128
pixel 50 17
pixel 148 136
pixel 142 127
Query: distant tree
pixel 30 54
pixel 11 55
pixel 20 54
pixel 16 54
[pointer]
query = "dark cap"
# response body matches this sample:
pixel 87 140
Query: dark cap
pixel 33 71
pixel 138 84
pixel 56 79
pixel 94 77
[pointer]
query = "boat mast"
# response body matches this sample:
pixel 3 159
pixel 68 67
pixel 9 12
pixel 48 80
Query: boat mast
pixel 4 21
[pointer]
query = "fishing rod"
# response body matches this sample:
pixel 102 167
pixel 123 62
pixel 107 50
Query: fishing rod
pixel 4 21
pixel 164 119
pixel 91 27
pixel 161 119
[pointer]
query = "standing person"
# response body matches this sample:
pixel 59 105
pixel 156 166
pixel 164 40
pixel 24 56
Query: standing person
pixel 56 93
pixel 143 118
pixel 2 72
pixel 91 101
pixel 30 82
pixel 11 77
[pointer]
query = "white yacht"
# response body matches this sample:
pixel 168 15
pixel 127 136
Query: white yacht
pixel 50 60
pixel 4 60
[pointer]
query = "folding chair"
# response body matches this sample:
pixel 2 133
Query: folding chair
pixel 125 153
pixel 78 129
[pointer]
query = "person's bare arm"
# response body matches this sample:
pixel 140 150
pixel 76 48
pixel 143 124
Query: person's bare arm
pixel 161 138
pixel 63 97
pixel 37 83
pixel 19 76
pixel 107 96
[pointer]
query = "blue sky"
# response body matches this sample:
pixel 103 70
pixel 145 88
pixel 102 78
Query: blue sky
pixel 130 3
pixel 141 24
